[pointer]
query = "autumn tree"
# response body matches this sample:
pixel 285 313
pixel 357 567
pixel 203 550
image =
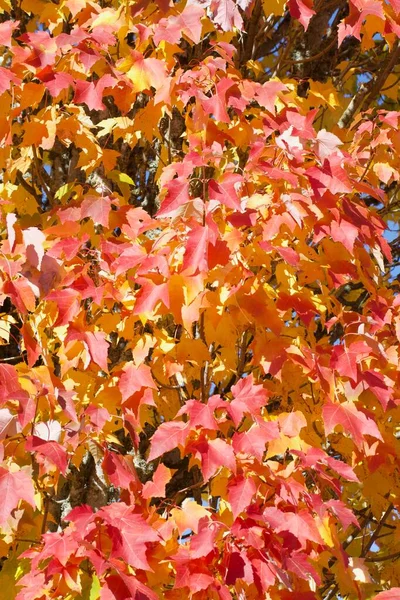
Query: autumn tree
pixel 200 321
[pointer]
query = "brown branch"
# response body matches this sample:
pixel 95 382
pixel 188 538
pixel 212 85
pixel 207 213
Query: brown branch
pixel 377 530
pixel 312 58
pixel 382 75
pixel 367 93
pixel 393 556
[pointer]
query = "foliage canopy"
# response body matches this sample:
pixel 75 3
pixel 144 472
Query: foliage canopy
pixel 200 322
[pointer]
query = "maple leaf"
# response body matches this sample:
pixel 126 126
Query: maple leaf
pixel 214 455
pixel 300 524
pixel 187 23
pixel 202 543
pixel 177 195
pixel 14 486
pixel 144 73
pixel 253 441
pixel 196 253
pixel 190 516
pixel 55 82
pixel 302 11
pixel 226 15
pixel 134 379
pixel 91 93
pixel 59 545
pixel 97 208
pixel 247 398
pixel 120 471
pixel 225 190
pixel 150 295
pixel 241 491
pixel 43 48
pixel 129 534
pixel 217 104
pixel 6 77
pixel 156 487
pixel 345 360
pixel 10 388
pixel 7 422
pixel 67 302
pixel 353 421
pixel 6 30
pixel 124 587
pixel 327 143
pixel 202 415
pixel 376 383
pixel 167 437
pixel 53 451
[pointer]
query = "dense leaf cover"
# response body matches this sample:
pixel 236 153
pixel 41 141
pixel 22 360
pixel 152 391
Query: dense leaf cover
pixel 200 323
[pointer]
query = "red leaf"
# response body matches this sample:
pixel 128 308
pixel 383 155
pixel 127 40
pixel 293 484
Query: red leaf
pixel 226 15
pixel 13 488
pixel 267 94
pixel 53 451
pixel 253 441
pixel 10 388
pixel 345 360
pixel 43 48
pixel 134 379
pixel 327 143
pixel 129 258
pixel 98 347
pixel 167 437
pixel 202 415
pixel 21 293
pixel 214 455
pixel 196 253
pixel 150 295
pixel 343 514
pixel 225 190
pixel 298 563
pixel 129 534
pixel 247 398
pixel 177 195
pixel 188 23
pixel 91 93
pixel 126 587
pixel 97 208
pixel 6 77
pixel 376 383
pixel 156 487
pixel 202 543
pixel 59 546
pixel 302 11
pixel 217 104
pixel 292 423
pixel 345 233
pixel 6 31
pixel 119 471
pixel 240 493
pixel 300 524
pixel 353 421
pixel 68 304
pixel 55 82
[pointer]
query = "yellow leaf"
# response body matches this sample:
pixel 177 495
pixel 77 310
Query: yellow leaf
pixel 189 515
pixel 274 7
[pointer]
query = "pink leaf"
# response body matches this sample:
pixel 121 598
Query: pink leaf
pixel 353 421
pixel 240 494
pixel 156 487
pixel 13 488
